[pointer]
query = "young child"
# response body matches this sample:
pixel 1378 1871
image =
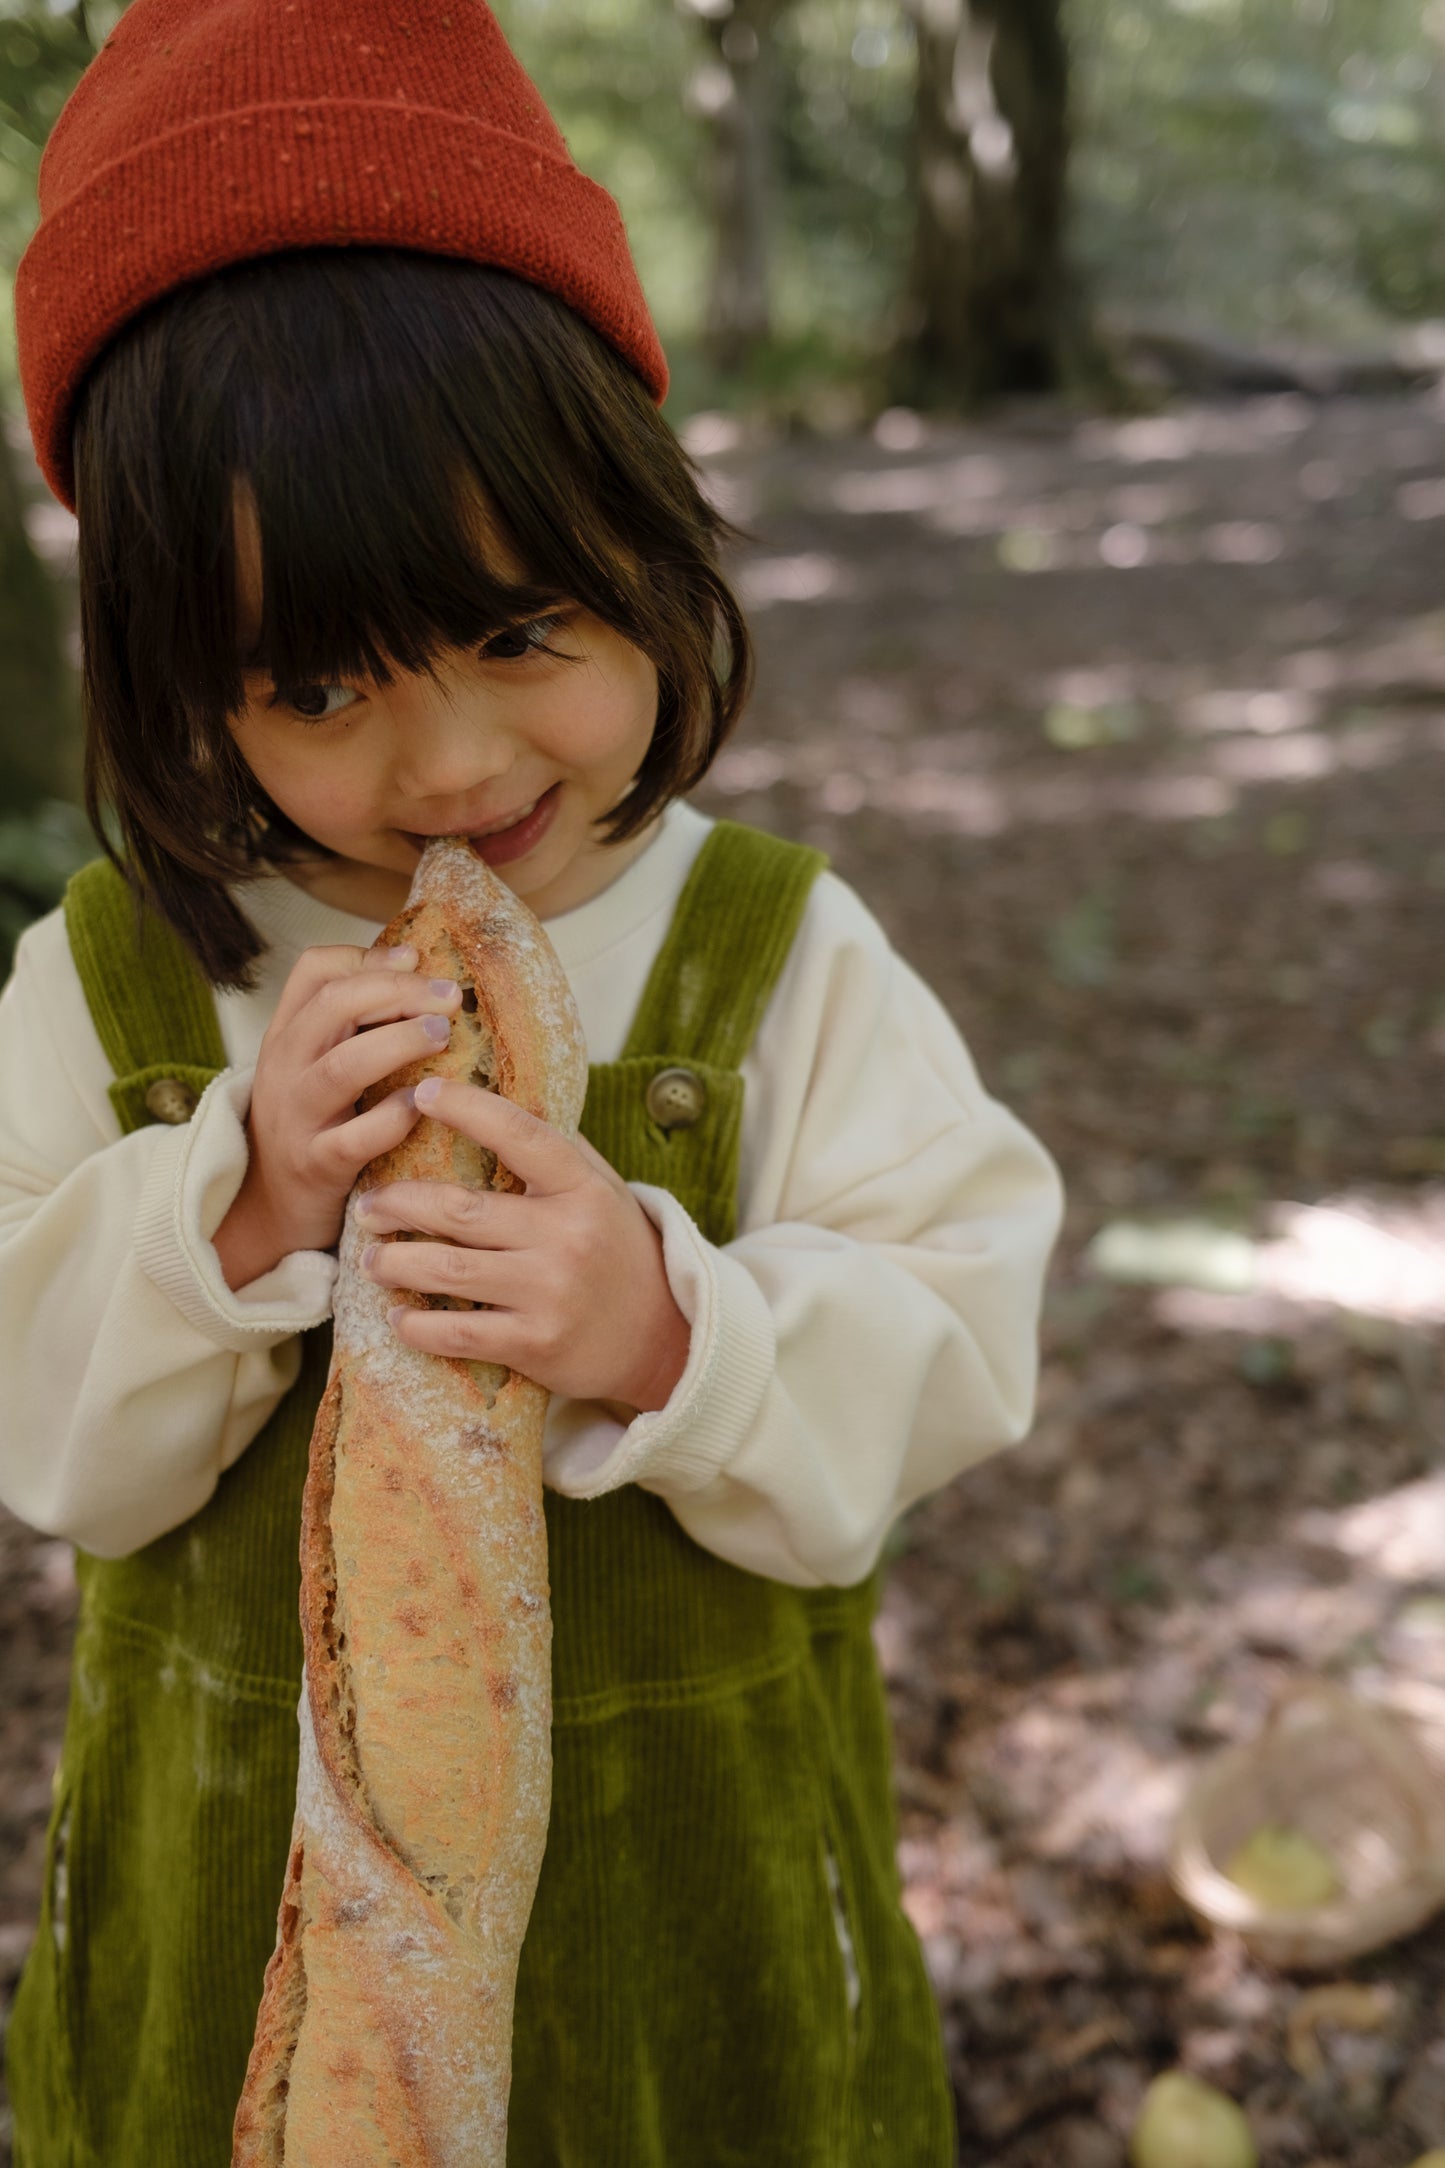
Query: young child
pixel 345 369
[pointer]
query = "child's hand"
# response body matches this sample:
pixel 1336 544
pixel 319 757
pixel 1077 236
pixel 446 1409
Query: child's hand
pixel 572 1270
pixel 307 1142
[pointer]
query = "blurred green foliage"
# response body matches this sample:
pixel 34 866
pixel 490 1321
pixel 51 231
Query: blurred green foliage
pixel 623 80
pixel 39 850
pixel 1255 167
pixel 1263 167
pixel 1252 166
pixel 44 49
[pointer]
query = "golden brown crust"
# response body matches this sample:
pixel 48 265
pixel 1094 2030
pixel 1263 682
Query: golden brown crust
pixel 384 2033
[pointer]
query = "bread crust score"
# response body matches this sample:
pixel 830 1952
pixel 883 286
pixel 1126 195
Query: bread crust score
pixel 384 2033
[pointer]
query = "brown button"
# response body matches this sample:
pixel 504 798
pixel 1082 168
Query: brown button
pixel 171 1100
pixel 676 1098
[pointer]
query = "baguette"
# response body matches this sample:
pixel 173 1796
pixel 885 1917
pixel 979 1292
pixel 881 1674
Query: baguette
pixel 383 2038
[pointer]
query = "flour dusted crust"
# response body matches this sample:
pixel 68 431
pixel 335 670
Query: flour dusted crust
pixel 384 2033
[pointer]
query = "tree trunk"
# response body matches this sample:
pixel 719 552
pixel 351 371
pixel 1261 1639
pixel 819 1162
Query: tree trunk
pixel 39 738
pixel 989 305
pixel 733 93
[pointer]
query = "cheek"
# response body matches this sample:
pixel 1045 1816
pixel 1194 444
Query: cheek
pixel 304 782
pixel 634 704
pixel 606 717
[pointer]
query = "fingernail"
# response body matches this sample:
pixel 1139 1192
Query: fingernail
pixel 368 1256
pixel 427 1090
pixel 364 1206
pixel 438 1028
pixel 401 956
pixel 398 1310
pixel 445 987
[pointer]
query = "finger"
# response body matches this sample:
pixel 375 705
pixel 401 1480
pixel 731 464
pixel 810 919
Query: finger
pixel 479 1336
pixel 533 1150
pixel 328 1090
pixel 442 1268
pixel 366 1136
pixel 314 967
pixel 481 1218
pixel 343 1007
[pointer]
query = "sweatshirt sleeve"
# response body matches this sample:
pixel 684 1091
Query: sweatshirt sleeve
pixel 872 1330
pixel 134 1375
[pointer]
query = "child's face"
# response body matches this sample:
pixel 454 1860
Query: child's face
pixel 511 724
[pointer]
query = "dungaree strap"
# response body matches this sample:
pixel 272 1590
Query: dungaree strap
pixel 729 939
pixel 154 1013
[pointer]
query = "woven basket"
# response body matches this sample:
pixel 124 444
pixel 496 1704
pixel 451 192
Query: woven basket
pixel 1355 1780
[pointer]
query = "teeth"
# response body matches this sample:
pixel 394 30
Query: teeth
pixel 513 820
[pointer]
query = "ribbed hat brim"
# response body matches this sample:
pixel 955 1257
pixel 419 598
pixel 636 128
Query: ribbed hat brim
pixel 338 172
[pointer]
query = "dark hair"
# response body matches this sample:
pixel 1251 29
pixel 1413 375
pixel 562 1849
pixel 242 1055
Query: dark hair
pixel 366 396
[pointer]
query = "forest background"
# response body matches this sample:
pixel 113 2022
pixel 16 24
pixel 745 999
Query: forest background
pixel 1075 369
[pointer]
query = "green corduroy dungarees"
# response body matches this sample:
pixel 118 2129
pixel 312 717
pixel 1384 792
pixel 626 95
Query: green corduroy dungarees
pixel 717 1972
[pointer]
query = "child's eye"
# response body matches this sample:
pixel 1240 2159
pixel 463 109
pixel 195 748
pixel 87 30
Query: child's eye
pixel 303 699
pixel 514 642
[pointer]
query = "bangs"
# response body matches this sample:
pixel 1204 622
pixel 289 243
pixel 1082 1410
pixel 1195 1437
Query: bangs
pixel 345 595
pixel 344 463
pixel 342 599
pixel 377 438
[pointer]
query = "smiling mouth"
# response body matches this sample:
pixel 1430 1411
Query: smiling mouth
pixel 510 837
pixel 508 820
pixel 493 828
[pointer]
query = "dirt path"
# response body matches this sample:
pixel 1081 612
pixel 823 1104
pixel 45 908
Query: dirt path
pixel 1134 736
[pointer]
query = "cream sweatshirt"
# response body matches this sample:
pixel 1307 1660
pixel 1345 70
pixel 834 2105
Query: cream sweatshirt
pixel 870 1332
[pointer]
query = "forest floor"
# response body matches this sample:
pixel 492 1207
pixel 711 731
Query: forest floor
pixel 1133 735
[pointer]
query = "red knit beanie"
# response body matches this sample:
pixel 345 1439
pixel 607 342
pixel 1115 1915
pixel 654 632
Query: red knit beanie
pixel 208 131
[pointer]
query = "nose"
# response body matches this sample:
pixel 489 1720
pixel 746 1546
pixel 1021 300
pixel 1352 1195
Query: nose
pixel 447 746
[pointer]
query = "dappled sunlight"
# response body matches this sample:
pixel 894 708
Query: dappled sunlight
pixel 900 429
pixel 1118 527
pixel 1242 542
pixel 809 576
pixel 1042 542
pixel 1325 1254
pixel 1266 711
pixel 1124 546
pixel 54 533
pixel 709 433
pixel 1315 1256
pixel 944 784
pixel 1298 758
pixel 1400 1536
pixel 1196 432
pixel 1149 440
pixel 1113 1796
pixel 917 488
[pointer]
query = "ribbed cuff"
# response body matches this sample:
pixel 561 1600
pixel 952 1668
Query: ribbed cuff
pixel 195 1174
pixel 731 1357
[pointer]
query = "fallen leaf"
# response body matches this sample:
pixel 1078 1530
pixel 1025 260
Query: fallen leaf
pixel 1346 2004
